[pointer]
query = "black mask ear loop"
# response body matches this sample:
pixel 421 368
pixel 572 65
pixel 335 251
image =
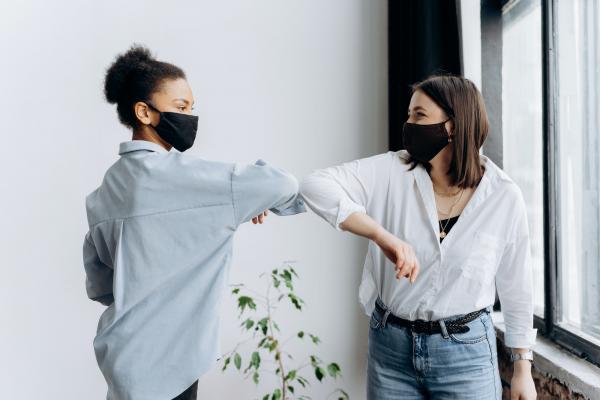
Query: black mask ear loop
pixel 150 105
pixel 449 136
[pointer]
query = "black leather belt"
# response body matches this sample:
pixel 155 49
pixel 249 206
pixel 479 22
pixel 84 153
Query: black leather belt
pixel 432 327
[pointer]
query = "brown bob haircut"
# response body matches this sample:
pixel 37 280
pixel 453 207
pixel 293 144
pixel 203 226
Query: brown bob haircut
pixel 464 105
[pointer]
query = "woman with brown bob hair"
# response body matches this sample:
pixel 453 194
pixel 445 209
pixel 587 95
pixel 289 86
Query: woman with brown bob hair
pixel 451 222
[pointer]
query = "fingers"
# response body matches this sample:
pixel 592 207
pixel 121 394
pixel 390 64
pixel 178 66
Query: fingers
pixel 260 218
pixel 404 263
pixel 415 271
pixel 407 264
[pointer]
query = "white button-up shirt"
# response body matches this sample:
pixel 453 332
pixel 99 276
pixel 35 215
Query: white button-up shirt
pixel 486 249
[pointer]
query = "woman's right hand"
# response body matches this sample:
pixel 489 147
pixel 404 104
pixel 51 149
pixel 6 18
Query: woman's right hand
pixel 400 253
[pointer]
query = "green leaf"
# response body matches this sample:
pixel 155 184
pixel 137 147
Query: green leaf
pixel 255 360
pixel 246 301
pixel 333 369
pixel 291 375
pixel 286 275
pixel 276 394
pixel 301 334
pixel 255 377
pixel 226 363
pixel 303 381
pixel 263 324
pixel 248 323
pixel 265 397
pixel 296 301
pixel 315 339
pixel 273 345
pixel 294 272
pixel 235 291
pixel 237 360
pixel 289 285
pixel 319 373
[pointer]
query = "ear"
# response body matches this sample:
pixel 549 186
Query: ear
pixel 450 127
pixel 142 112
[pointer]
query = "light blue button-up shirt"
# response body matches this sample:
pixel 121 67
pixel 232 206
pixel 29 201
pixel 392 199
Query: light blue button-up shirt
pixel 158 252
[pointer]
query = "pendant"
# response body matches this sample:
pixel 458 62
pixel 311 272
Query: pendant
pixel 442 234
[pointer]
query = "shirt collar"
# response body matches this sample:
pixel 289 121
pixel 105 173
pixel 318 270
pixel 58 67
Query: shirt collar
pixel 135 145
pixel 490 176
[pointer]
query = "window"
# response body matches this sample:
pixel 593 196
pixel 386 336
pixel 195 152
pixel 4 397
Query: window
pixel 551 148
pixel 578 170
pixel 522 123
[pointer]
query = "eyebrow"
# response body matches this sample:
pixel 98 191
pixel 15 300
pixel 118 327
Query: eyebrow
pixel 184 100
pixel 417 108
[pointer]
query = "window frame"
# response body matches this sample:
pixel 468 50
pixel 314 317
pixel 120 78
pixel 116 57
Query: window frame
pixel 548 324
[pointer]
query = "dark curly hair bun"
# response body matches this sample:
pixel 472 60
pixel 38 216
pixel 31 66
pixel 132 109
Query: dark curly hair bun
pixel 133 77
pixel 135 59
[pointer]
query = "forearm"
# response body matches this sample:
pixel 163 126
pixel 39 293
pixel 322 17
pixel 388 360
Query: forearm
pixel 363 225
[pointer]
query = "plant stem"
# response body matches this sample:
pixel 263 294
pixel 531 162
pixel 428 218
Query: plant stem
pixel 277 349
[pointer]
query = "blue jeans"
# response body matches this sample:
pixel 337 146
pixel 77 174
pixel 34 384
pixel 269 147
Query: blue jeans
pixel 404 365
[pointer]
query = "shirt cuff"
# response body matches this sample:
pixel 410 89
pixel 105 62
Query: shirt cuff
pixel 297 207
pixel 345 208
pixel 523 340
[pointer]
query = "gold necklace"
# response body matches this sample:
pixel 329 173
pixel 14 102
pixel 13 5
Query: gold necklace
pixel 446 194
pixel 452 206
pixel 443 228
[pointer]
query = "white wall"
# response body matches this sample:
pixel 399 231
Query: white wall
pixel 301 84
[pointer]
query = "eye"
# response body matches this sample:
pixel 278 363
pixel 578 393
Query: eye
pixel 182 108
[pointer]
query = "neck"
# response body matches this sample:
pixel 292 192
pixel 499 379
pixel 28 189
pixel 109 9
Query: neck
pixel 146 133
pixel 439 169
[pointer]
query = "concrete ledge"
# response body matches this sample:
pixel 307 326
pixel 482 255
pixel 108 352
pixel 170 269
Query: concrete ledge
pixel 581 379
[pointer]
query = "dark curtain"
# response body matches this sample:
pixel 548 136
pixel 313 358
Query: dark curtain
pixel 423 39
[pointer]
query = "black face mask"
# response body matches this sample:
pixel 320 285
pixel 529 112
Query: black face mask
pixel 179 130
pixel 423 142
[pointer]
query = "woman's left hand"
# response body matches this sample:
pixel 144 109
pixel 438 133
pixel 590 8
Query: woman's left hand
pixel 260 218
pixel 521 384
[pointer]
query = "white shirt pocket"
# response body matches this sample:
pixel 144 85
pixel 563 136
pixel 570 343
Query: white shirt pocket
pixel 483 258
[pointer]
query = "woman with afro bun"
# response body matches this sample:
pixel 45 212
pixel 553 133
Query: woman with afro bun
pixel 161 227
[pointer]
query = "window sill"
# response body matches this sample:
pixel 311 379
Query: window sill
pixel 578 375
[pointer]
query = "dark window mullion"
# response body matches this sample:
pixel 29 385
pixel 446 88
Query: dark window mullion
pixel 551 192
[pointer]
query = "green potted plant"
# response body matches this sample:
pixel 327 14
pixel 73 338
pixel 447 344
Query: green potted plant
pixel 257 312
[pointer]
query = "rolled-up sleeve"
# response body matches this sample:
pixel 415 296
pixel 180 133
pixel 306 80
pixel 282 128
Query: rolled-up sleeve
pixel 514 283
pixel 99 276
pixel 259 187
pixel 336 192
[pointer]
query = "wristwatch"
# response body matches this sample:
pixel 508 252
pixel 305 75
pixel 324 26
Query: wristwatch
pixel 528 355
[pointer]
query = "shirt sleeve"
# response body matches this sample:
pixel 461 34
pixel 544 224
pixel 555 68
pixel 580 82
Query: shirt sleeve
pixel 261 187
pixel 336 192
pixel 99 276
pixel 514 283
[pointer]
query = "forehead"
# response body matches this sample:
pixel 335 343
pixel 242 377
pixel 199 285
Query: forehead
pixel 171 89
pixel 421 100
